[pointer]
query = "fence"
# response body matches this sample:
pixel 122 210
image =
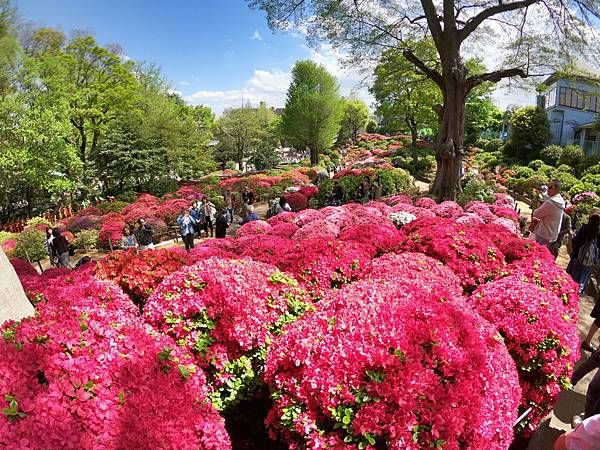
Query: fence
pixel 53 216
pixel 591 148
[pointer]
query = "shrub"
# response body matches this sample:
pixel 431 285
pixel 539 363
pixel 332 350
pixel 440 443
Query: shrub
pixel 476 190
pixel 86 222
pixel 529 132
pixel 551 154
pixel 35 221
pixel 542 342
pixel 30 245
pixel 225 312
pixel 112 207
pixel 160 186
pixel 572 155
pixel 494 145
pixel 394 181
pixel 5 236
pixel 296 200
pixel 171 209
pixel 111 233
pixel 89 211
pixel 127 196
pixel 86 240
pixel 406 385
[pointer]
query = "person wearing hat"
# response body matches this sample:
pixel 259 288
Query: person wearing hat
pixel 548 216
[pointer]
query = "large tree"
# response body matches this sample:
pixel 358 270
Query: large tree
pixel 534 36
pixel 355 116
pixel 312 109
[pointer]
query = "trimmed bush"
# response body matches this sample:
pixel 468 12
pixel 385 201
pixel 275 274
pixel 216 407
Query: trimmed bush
pixel 551 154
pixel 30 245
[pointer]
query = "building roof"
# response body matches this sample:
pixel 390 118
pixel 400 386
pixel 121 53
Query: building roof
pixel 581 77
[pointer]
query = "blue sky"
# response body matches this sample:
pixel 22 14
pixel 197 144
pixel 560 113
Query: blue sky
pixel 212 52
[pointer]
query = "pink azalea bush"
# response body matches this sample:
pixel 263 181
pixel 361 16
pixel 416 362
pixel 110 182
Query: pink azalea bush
pixel 296 200
pixel 343 380
pixel 253 228
pixel 224 311
pixel 467 251
pixel 8 247
pixel 543 342
pixel 382 237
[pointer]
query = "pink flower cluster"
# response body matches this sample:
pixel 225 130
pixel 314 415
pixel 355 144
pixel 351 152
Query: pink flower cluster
pixel 85 373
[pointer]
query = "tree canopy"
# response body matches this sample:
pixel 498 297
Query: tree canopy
pixel 313 108
pixel 532 37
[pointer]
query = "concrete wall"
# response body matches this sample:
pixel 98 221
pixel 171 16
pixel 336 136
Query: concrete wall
pixel 13 302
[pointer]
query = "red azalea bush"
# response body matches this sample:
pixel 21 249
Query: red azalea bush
pixel 72 381
pixel 171 209
pixel 140 212
pixel 309 191
pixel 138 274
pixel 512 246
pixel 286 217
pixel 111 230
pixel 285 230
pixel 307 216
pixel 224 311
pixel 543 342
pixel 425 202
pixel 88 222
pixel 417 211
pixel 466 250
pixel 425 374
pixel 481 209
pixel 253 228
pixel 400 198
pixel 296 200
pixel 189 192
pixel 23 268
pixel 147 199
pixel 262 248
pixel 90 211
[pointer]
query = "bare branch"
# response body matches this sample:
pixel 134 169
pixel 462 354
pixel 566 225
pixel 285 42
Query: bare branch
pixel 500 8
pixel 495 76
pixel 433 21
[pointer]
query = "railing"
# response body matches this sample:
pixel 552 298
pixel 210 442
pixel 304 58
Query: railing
pixel 591 148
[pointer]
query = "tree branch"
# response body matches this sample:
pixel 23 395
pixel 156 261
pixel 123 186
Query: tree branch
pixel 473 23
pixel 434 75
pixel 495 76
pixel 433 21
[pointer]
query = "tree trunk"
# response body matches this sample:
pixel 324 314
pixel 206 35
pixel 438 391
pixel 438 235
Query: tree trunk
pixel 314 155
pixel 413 135
pixel 449 147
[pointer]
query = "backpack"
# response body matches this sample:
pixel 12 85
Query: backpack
pixel 587 254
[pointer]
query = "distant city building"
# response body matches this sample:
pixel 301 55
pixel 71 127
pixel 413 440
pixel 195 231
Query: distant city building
pixel 572 106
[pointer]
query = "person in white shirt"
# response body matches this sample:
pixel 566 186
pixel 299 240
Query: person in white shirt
pixel 549 215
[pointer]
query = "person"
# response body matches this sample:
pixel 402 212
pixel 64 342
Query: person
pixel 221 225
pixel 563 234
pixel 247 200
pixel 283 206
pixel 362 194
pixel 328 168
pixel 60 248
pixel 549 215
pixel 337 195
pixel 376 188
pixel 586 252
pixel 586 436
pixel 250 216
pixel 229 206
pixel 48 247
pixel 208 211
pixel 187 228
pixel 128 241
pixel 197 216
pixel 143 235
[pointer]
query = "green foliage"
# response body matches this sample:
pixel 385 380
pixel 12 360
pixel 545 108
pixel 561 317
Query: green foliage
pixel 216 198
pixel 529 133
pixel 313 108
pixel 30 245
pixel 5 236
pixel 551 154
pixel 113 207
pixel 86 240
pixel 37 221
pixel 160 186
pixel 355 116
pixel 494 145
pixel 127 196
pixel 264 156
pixel 572 155
pixel 476 190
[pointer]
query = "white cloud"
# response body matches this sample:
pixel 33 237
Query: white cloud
pixel 271 86
pixel 256 36
pixel 184 83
